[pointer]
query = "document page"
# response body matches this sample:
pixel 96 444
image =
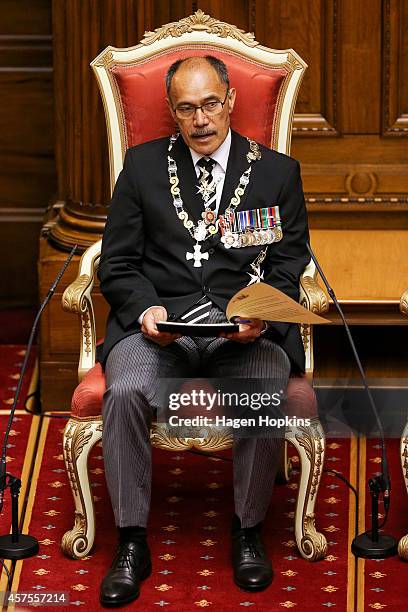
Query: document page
pixel 261 301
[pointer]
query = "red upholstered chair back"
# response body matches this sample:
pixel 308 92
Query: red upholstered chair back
pixel 142 94
pixel 133 88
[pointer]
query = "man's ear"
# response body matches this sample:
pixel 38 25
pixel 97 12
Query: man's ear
pixel 231 99
pixel 169 104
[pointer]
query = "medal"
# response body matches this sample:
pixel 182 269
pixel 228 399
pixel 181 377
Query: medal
pixel 197 256
pixel 257 275
pixel 209 216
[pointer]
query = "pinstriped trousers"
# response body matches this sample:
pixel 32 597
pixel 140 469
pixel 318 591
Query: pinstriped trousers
pixel 133 371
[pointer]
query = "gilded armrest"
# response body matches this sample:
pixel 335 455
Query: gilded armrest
pixel 404 302
pixel 77 298
pixel 313 298
pixel 312 295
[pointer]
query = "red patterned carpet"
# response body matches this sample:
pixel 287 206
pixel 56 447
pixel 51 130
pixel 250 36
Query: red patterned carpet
pixel 23 434
pixel 192 507
pixel 385 581
pixel 189 527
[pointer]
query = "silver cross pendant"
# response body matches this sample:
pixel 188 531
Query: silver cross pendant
pixel 197 256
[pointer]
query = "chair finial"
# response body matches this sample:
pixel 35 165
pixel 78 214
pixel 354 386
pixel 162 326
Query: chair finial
pixel 199 21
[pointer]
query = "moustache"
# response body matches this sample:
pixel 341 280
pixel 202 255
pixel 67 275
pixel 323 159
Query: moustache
pixel 199 133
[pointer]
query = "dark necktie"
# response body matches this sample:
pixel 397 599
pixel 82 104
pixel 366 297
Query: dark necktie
pixel 207 163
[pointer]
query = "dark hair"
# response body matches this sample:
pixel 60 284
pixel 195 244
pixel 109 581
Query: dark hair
pixel 216 63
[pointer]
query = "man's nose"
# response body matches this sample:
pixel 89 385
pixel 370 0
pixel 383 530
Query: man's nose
pixel 200 118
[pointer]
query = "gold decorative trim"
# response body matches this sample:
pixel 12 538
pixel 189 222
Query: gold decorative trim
pixel 199 21
pixel 292 64
pixel 309 438
pixel 316 300
pixel 74 542
pixel 73 295
pixel 404 303
pixel 201 438
pixel 403 548
pixel 305 331
pixel 105 60
pixel 311 199
pixel 404 456
pixel 278 111
pixel 403 543
pixel 86 322
pixel 76 435
pixel 313 544
pixel 124 143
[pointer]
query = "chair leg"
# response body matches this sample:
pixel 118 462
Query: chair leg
pixel 310 444
pixel 284 467
pixel 80 436
pixel 403 543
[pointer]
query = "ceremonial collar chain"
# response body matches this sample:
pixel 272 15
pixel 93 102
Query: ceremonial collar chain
pixel 208 225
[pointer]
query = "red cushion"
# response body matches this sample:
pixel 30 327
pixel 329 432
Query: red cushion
pixel 87 397
pixel 142 93
pixel 301 399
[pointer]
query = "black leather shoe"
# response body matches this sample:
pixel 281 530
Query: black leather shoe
pixel 252 568
pixel 131 565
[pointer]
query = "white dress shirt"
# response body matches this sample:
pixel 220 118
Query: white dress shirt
pixel 220 156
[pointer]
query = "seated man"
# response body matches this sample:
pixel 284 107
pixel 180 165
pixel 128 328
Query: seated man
pixel 163 254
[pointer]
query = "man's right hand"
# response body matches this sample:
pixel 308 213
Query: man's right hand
pixel 149 327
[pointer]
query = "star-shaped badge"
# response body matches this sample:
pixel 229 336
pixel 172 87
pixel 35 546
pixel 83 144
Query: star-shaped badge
pixel 257 277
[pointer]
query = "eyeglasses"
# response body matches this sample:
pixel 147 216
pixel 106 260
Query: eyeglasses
pixel 209 109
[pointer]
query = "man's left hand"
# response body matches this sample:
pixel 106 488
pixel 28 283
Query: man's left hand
pixel 248 332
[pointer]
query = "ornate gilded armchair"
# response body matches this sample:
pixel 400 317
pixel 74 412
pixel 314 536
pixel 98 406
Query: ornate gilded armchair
pixel 403 543
pixel 274 78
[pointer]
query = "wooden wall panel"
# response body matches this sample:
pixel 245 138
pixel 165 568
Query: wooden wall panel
pixel 27 172
pixel 361 66
pixel 25 17
pixel 311 28
pixel 395 67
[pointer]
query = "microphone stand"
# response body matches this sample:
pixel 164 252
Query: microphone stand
pixel 16 545
pixel 370 544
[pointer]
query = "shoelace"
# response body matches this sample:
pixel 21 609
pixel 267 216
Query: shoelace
pixel 250 545
pixel 125 558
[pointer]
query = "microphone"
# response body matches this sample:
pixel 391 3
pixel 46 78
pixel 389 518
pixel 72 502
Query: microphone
pixel 18 546
pixel 378 546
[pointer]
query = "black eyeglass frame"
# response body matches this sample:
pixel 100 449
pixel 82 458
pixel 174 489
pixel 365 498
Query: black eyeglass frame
pixel 195 108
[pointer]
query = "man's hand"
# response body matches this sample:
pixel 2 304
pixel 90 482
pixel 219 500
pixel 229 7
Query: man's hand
pixel 149 327
pixel 248 332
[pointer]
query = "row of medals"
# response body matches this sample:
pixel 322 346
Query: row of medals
pixel 251 236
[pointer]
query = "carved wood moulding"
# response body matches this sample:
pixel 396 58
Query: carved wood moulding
pixel 395 56
pixel 199 22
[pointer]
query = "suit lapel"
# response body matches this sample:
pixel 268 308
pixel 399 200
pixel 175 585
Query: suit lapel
pixel 188 179
pixel 237 164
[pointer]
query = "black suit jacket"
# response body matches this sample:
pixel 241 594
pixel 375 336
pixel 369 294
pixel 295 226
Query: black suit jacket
pixel 143 261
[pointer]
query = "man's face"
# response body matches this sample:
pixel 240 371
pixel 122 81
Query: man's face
pixel 195 83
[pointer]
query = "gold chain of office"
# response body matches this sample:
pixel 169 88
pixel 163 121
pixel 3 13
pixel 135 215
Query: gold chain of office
pixel 199 232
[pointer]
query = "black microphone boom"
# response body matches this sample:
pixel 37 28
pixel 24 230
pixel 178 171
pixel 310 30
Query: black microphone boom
pixel 374 546
pixel 16 545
